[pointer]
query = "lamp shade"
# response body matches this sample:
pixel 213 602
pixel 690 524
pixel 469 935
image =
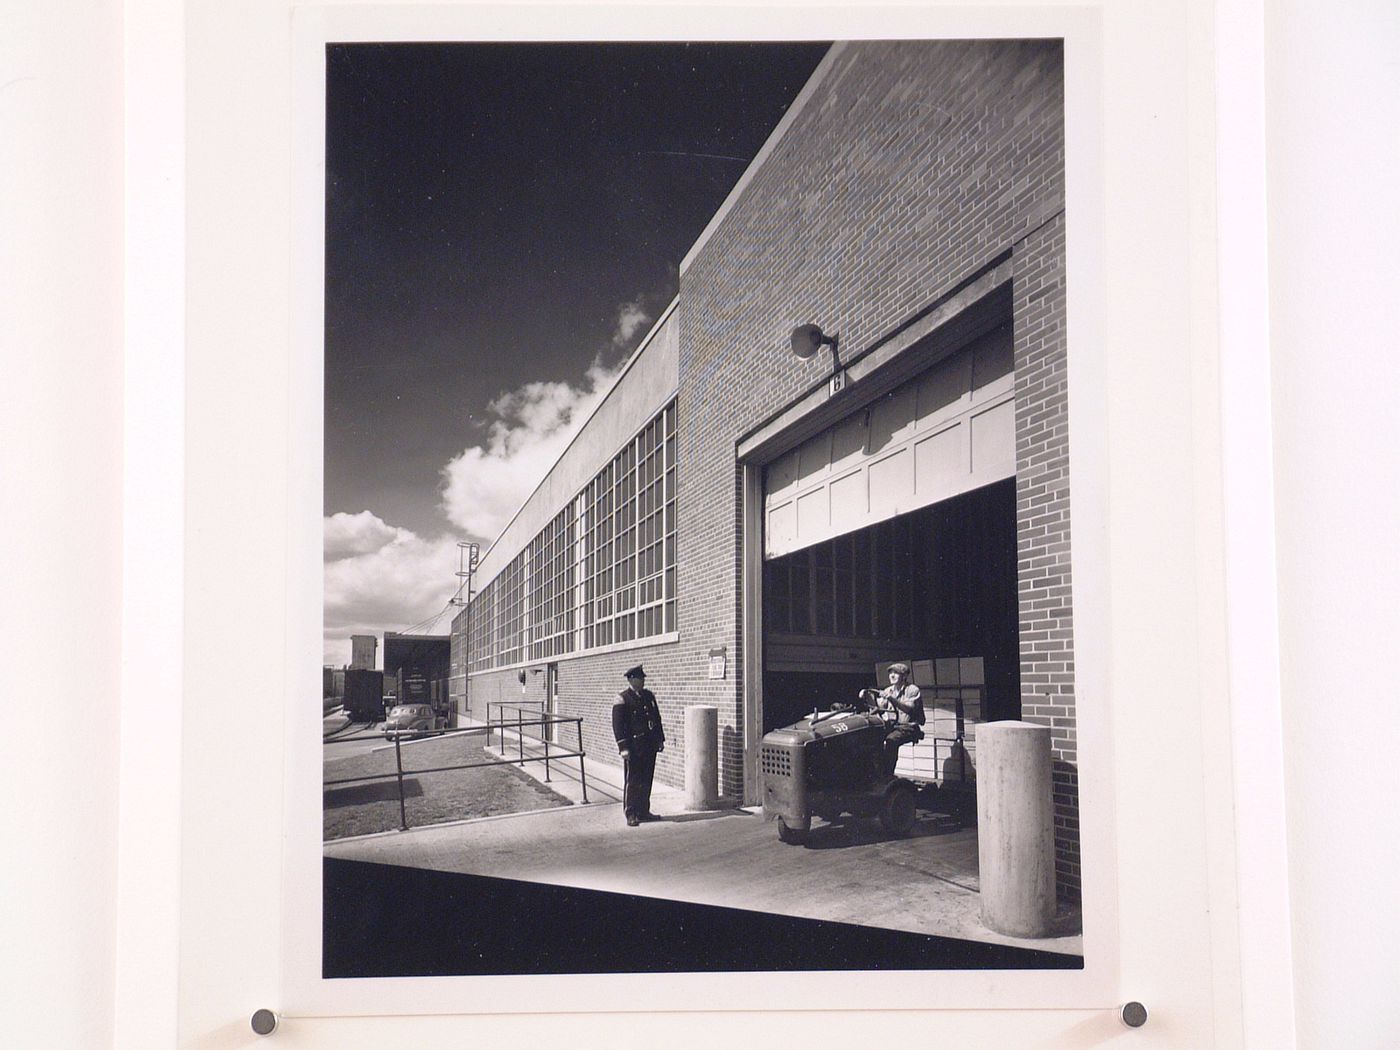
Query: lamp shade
pixel 806 340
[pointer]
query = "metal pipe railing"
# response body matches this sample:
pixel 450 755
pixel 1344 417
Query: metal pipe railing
pixel 413 735
pixel 501 706
pixel 547 722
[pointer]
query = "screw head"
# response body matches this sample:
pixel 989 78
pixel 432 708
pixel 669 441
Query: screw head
pixel 1133 1014
pixel 264 1022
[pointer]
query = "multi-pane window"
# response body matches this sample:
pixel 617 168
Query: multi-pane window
pixel 602 572
pixel 497 618
pixel 853 586
pixel 511 642
pixel 651 527
pixel 551 564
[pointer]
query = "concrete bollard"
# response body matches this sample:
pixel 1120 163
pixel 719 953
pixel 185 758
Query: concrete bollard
pixel 701 757
pixel 1015 828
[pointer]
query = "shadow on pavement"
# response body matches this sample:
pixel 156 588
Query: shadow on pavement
pixel 374 925
pixel 379 791
pixel 858 831
pixel 1069 922
pixel 690 817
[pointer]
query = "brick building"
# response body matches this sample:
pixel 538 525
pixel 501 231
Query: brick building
pixel 763 529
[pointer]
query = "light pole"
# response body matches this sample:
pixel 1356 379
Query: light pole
pixel 468 554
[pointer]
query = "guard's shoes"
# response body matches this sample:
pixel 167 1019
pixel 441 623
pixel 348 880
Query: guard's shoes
pixel 632 822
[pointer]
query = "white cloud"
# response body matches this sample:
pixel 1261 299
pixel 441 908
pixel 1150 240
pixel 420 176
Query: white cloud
pixel 630 317
pixel 362 533
pixel 484 485
pixel 381 577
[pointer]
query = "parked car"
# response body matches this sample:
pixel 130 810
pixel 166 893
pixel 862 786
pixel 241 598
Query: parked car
pixel 409 717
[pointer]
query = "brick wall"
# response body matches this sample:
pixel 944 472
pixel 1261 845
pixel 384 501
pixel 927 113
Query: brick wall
pixel 588 685
pixel 910 169
pixel 1043 523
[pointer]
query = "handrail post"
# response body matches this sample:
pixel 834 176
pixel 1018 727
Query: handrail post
pixel 582 776
pixel 544 732
pixel 520 731
pixel 398 759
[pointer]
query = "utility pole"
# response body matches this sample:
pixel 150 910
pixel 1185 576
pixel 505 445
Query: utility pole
pixel 468 554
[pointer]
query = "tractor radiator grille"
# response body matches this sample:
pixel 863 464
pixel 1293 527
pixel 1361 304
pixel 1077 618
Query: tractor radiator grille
pixel 775 762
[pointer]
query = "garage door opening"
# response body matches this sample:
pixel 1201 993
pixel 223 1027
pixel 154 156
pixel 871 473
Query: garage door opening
pixel 932 587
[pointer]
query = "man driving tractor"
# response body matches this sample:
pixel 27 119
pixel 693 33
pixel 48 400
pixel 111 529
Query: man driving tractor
pixel 902 706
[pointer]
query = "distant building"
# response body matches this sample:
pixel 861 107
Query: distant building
pixel 764 531
pixel 364 652
pixel 416 670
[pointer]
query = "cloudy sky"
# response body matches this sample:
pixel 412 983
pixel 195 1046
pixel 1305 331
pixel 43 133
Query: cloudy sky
pixel 503 224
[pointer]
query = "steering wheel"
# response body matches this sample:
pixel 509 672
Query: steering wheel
pixel 866 700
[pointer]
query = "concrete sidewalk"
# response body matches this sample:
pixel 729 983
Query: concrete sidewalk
pixel 847 872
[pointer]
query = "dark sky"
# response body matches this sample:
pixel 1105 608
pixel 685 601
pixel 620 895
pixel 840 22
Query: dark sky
pixel 490 207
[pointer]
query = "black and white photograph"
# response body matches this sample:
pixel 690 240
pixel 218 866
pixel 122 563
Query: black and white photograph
pixel 697 547
pixel 813 524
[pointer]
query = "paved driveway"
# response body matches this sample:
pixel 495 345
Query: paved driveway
pixel 852 872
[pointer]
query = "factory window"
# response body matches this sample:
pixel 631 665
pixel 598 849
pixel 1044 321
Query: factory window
pixel 853 586
pixel 602 572
pixel 628 534
pixel 551 564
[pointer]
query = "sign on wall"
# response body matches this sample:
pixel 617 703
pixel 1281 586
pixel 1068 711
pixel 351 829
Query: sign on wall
pixel 717 662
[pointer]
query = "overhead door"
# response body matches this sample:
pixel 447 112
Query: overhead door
pixel 948 431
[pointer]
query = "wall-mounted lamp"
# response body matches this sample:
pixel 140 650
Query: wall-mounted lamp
pixel 807 339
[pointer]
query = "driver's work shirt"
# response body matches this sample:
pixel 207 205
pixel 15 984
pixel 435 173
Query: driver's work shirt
pixel 908 696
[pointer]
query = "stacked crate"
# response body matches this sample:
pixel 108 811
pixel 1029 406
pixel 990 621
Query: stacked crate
pixel 954 690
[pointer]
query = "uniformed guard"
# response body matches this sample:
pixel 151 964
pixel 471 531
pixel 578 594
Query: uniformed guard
pixel 640 737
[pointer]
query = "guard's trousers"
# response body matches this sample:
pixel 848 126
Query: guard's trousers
pixel 637 769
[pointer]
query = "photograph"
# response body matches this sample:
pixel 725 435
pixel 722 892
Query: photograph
pixel 698 588
pixel 820 522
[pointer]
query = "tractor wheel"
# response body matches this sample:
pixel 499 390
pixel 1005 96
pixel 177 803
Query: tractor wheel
pixel 793 835
pixel 897 812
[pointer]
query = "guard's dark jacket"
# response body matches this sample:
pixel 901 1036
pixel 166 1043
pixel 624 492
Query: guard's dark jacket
pixel 637 721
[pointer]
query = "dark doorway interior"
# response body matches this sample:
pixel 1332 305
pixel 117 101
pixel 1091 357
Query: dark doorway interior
pixel 938 582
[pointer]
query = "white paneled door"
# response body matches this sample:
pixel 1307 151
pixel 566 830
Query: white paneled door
pixel 948 431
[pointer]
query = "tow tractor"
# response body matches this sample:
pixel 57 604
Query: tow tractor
pixel 831 763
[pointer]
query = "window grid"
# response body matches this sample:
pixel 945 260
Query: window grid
pixel 602 572
pixel 852 586
pixel 552 569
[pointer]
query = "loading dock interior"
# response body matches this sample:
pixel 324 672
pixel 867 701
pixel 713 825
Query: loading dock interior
pixel 936 583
